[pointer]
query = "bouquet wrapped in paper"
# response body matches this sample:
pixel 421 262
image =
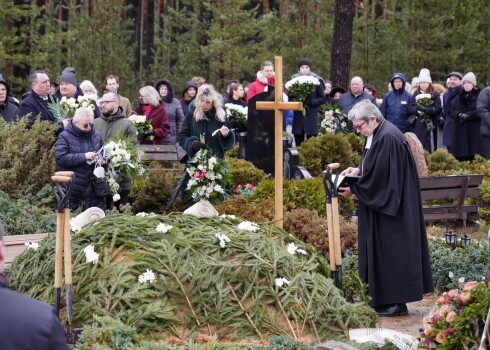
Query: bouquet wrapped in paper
pixel 301 87
pixel 142 126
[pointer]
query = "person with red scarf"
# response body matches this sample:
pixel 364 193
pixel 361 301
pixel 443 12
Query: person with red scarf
pixel 152 107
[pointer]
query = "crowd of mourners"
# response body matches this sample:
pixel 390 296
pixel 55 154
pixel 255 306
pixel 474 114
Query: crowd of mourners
pixel 455 116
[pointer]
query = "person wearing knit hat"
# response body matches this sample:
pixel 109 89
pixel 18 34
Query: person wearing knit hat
pixel 466 137
pixel 455 87
pixel 306 126
pixel 424 118
pixel 68 82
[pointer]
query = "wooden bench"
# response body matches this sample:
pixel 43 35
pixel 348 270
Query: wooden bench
pixel 15 245
pixel 451 187
pixel 168 153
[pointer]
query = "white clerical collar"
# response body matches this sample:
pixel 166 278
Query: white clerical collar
pixel 369 141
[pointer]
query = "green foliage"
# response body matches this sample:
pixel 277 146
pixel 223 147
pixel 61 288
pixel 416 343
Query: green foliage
pixel 243 172
pixel 26 155
pixel 199 287
pixel 441 163
pixel 282 342
pixel 317 152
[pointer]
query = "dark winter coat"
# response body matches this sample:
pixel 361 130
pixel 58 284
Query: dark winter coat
pixel 447 100
pixel 9 112
pixel 309 124
pixel 393 251
pixel 184 103
pixel 483 110
pixel 236 102
pixel 32 106
pixel 395 104
pixel 28 323
pixel 173 108
pixel 348 100
pixel 419 128
pixel 158 120
pixel 71 146
pixel 192 130
pixel 467 140
pixel 79 92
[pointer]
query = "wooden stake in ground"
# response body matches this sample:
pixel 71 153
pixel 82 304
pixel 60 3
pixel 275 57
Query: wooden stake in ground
pixel 278 106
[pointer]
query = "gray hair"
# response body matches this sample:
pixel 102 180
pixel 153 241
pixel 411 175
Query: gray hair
pixel 151 94
pixel 83 112
pixel 90 85
pixel 33 76
pixel 364 110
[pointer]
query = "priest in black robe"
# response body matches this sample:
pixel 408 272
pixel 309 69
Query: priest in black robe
pixel 393 251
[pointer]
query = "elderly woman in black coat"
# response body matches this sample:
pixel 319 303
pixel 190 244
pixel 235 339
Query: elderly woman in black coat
pixel 76 148
pixel 308 125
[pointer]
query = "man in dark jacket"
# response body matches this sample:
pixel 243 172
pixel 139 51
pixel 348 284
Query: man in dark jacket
pixel 75 150
pixel 8 111
pixel 354 96
pixel 112 123
pixel 455 87
pixel 483 110
pixel 26 323
pixel 36 103
pixel 395 103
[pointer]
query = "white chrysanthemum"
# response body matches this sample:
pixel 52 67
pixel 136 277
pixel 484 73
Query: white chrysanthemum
pixel 116 197
pixel 228 216
pixel 282 281
pixel 163 228
pixel 90 255
pixel 223 239
pixel 461 280
pixel 147 276
pixel 32 245
pixel 292 248
pixel 141 214
pixel 249 226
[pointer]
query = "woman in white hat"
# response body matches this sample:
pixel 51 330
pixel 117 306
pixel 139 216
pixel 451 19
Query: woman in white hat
pixel 424 117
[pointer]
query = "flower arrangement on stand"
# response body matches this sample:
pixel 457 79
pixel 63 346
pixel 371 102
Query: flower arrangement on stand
pixel 209 178
pixel 457 319
pixel 237 116
pixel 124 159
pixel 301 87
pixel 424 100
pixel 67 107
pixel 142 126
pixel 334 120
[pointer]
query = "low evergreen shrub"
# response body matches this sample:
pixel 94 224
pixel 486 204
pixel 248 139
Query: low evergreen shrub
pixel 243 172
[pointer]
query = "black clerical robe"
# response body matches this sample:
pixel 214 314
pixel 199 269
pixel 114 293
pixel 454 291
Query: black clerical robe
pixel 393 250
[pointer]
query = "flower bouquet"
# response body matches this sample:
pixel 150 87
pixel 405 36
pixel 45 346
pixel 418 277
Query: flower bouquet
pixel 457 319
pixel 301 87
pixel 208 178
pixel 334 120
pixel 67 107
pixel 142 126
pixel 424 100
pixel 245 190
pixel 237 115
pixel 124 159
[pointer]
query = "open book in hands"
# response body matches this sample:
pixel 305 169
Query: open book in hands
pixel 345 180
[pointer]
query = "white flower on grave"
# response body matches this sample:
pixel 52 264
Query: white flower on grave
pixel 301 251
pixel 116 197
pixel 451 274
pixel 228 216
pixel 76 229
pixel 282 281
pixel 223 239
pixel 163 228
pixel 247 225
pixel 141 214
pixel 147 276
pixel 293 249
pixel 461 280
pixel 32 245
pixel 90 255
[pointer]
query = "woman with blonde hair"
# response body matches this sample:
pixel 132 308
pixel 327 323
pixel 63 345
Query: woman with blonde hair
pixel 151 106
pixel 205 126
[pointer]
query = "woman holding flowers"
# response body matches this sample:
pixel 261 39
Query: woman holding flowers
pixel 205 126
pixel 306 123
pixel 425 109
pixel 151 106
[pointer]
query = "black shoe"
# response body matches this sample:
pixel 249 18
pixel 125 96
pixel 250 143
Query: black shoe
pixel 392 310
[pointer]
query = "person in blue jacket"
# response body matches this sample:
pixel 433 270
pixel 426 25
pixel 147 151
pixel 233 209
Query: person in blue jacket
pixel 395 103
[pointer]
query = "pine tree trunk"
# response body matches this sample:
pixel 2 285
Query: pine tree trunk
pixel 342 43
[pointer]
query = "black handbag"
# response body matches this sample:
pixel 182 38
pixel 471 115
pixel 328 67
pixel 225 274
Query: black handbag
pixel 101 188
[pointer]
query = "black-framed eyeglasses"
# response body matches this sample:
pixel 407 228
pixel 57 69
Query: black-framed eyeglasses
pixel 359 127
pixel 87 125
pixel 106 102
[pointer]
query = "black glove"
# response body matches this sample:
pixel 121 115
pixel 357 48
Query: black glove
pixel 441 121
pixel 412 109
pixel 197 145
pixel 463 118
pixel 151 132
pixel 307 101
pixel 424 109
pixel 411 120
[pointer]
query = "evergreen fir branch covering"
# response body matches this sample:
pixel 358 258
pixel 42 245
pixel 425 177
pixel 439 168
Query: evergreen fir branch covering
pixel 200 286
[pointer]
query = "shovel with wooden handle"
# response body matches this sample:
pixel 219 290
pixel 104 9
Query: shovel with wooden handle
pixel 63 239
pixel 332 208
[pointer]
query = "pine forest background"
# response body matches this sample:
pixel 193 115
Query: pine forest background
pixel 142 41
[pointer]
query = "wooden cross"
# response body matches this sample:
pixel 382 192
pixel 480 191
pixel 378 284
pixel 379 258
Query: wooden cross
pixel 278 106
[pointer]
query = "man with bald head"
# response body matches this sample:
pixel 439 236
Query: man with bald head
pixel 355 95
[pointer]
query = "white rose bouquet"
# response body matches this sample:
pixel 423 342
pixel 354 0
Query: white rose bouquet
pixel 301 87
pixel 237 115
pixel 424 100
pixel 142 126
pixel 67 107
pixel 209 178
